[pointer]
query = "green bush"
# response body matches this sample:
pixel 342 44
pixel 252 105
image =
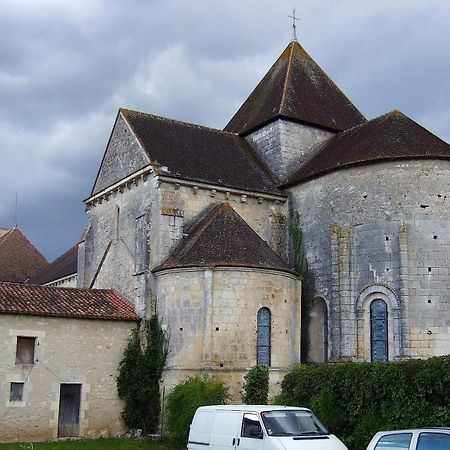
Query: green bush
pixel 354 400
pixel 184 400
pixel 256 386
pixel 139 373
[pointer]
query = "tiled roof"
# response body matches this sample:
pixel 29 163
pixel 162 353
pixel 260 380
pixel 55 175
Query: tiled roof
pixel 63 302
pixel 296 88
pixel 223 239
pixel 201 154
pixel 61 267
pixel 19 259
pixel 388 137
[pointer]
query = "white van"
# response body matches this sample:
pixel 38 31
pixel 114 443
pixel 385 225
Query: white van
pixel 251 427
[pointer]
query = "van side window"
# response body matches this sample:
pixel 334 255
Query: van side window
pixel 251 428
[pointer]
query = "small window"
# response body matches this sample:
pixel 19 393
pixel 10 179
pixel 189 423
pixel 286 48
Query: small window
pixel 251 427
pixel 16 392
pixel 396 441
pixel 433 441
pixel 25 350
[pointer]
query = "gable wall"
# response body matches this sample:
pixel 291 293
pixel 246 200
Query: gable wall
pixel 66 351
pixel 284 145
pixel 123 156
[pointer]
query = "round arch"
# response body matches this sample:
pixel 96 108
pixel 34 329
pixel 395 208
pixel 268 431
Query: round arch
pixel 365 299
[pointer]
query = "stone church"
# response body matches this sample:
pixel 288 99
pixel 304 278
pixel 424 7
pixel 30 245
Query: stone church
pixel 193 223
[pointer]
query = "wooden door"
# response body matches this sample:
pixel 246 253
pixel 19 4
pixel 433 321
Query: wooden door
pixel 69 410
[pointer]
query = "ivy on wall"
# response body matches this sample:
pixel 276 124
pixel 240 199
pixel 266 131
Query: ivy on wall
pixel 301 267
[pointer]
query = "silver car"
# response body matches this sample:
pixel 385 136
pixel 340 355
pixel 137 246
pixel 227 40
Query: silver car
pixel 415 439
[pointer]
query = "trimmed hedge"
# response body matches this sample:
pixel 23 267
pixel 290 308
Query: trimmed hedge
pixel 355 400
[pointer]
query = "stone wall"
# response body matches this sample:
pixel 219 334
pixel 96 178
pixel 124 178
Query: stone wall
pixel 123 156
pixel 381 231
pixel 66 351
pixel 115 239
pixel 211 318
pixel 284 145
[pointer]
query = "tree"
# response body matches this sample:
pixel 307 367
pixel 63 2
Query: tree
pixel 256 386
pixel 139 377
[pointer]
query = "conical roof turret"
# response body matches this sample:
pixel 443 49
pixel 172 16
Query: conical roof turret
pixel 297 89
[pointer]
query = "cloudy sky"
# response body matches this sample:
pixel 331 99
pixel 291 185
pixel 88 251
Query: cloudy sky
pixel 67 66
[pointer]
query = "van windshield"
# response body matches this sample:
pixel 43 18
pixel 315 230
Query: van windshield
pixel 292 423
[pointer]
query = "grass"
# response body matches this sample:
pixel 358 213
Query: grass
pixel 94 444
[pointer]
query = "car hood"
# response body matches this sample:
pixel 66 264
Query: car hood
pixel 325 442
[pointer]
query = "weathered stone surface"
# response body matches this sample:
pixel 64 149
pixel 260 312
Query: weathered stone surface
pixel 66 351
pixel 381 231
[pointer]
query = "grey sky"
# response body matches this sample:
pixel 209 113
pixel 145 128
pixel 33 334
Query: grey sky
pixel 66 67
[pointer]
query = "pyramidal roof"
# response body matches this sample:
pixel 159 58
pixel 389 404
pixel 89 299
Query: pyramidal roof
pixel 391 136
pixel 223 239
pixel 296 88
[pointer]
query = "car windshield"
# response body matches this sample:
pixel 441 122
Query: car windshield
pixel 292 423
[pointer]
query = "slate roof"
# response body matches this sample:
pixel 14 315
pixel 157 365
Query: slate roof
pixel 296 88
pixel 388 137
pixel 19 259
pixel 61 267
pixel 63 302
pixel 223 239
pixel 201 154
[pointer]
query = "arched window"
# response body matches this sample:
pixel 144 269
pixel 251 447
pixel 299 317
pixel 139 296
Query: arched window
pixel 263 337
pixel 378 330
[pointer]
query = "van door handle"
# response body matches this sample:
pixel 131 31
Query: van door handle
pixel 234 441
pixel 238 442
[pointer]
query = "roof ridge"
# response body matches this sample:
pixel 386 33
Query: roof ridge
pixel 286 79
pixel 390 136
pixel 179 122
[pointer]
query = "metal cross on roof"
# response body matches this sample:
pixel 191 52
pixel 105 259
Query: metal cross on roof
pixel 294 33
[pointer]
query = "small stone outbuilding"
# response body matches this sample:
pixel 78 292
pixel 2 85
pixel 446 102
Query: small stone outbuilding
pixel 60 350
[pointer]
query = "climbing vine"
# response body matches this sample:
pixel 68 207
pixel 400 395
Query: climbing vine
pixel 139 376
pixel 301 267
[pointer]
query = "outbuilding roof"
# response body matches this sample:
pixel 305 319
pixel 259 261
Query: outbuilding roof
pixel 61 267
pixel 64 302
pixel 19 259
pixel 201 154
pixel 296 88
pixel 391 136
pixel 223 239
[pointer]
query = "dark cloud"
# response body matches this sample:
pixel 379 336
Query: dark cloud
pixel 66 67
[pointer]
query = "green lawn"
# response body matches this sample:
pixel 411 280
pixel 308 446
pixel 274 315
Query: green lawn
pixel 97 444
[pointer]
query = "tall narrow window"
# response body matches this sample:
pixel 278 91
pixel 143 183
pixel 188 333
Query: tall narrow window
pixel 117 224
pixel 378 330
pixel 263 337
pixel 141 246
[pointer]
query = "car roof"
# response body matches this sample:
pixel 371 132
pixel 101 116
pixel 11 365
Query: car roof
pixel 416 430
pixel 251 408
